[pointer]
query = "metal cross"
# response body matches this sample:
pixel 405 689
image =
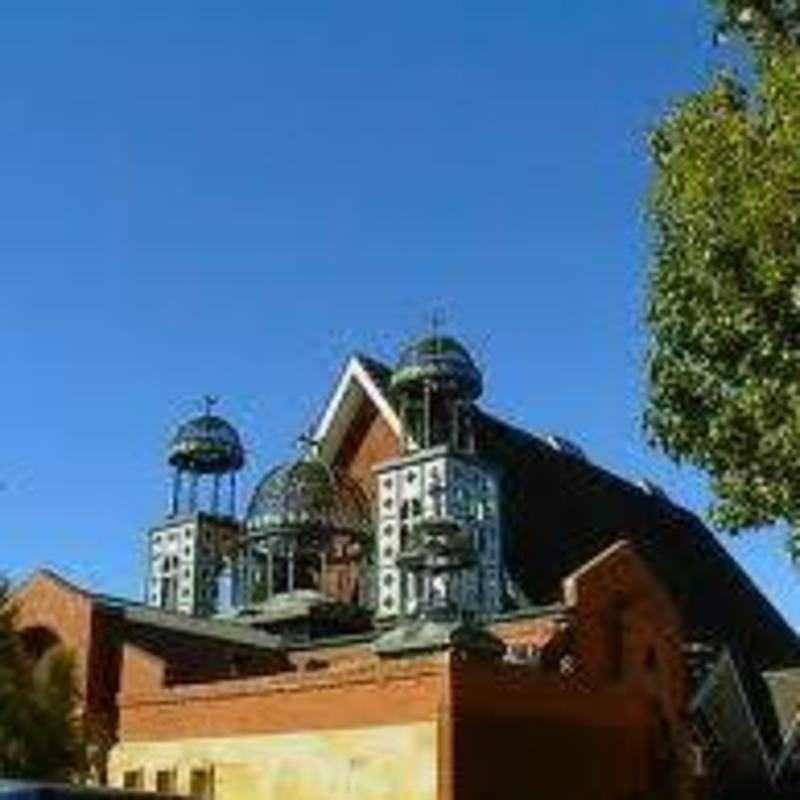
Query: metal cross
pixel 437 320
pixel 210 401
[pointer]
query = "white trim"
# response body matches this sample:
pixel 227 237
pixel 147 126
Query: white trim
pixel 725 662
pixel 377 397
pixel 765 758
pixel 787 746
pixel 355 371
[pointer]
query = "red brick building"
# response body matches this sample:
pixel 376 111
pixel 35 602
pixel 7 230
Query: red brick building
pixel 510 619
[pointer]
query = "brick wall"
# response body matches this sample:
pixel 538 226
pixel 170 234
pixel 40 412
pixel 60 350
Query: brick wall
pixel 609 722
pixel 47 602
pixel 369 693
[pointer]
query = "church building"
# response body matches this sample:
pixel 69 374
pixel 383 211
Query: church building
pixel 428 604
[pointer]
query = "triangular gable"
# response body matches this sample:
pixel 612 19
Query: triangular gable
pixel 47 576
pixel 356 386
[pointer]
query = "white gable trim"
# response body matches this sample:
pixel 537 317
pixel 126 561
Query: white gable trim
pixel 354 372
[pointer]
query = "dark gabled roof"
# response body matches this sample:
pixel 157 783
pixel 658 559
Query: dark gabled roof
pixel 182 624
pixel 561 510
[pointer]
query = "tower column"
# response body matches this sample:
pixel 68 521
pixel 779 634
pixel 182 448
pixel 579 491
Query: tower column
pixel 177 482
pixel 193 481
pixel 215 494
pixel 270 576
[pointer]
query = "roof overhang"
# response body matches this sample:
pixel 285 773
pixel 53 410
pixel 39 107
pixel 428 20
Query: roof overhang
pixel 355 387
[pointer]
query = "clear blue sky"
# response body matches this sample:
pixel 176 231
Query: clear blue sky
pixel 230 197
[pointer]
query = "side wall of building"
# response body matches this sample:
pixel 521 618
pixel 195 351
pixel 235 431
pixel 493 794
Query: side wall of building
pixel 367 730
pixel 380 762
pixel 610 712
pixel 522 734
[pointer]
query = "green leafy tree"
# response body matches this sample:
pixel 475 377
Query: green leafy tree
pixel 763 23
pixel 724 290
pixel 41 736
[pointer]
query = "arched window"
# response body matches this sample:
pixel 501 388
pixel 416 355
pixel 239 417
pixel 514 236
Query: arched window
pixel 39 645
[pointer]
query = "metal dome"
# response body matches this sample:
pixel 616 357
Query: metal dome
pixel 206 445
pixel 307 496
pixel 441 359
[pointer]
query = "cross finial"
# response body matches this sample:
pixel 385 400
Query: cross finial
pixel 437 320
pixel 308 441
pixel 210 401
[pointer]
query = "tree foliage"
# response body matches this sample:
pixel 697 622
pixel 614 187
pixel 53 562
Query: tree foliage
pixel 763 23
pixel 724 291
pixel 40 733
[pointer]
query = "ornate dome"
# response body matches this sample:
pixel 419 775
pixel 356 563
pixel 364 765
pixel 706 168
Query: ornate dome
pixel 307 495
pixel 206 445
pixel 441 359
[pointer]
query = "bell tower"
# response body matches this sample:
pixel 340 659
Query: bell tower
pixel 438 536
pixel 187 551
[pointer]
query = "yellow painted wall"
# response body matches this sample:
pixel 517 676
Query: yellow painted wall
pixel 360 764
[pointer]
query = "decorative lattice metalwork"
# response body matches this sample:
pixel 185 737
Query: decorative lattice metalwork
pixel 439 359
pixel 206 445
pixel 309 497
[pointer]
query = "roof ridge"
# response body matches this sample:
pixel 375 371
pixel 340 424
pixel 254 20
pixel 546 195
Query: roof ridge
pixel 52 575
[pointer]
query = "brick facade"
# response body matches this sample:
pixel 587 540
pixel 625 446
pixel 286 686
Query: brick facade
pixel 606 692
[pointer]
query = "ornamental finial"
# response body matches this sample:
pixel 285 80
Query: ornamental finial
pixel 210 401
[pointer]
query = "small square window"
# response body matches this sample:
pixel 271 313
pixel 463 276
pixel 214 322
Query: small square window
pixel 201 784
pixel 133 779
pixel 166 781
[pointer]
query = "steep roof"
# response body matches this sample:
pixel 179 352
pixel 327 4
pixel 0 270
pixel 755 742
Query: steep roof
pixel 561 510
